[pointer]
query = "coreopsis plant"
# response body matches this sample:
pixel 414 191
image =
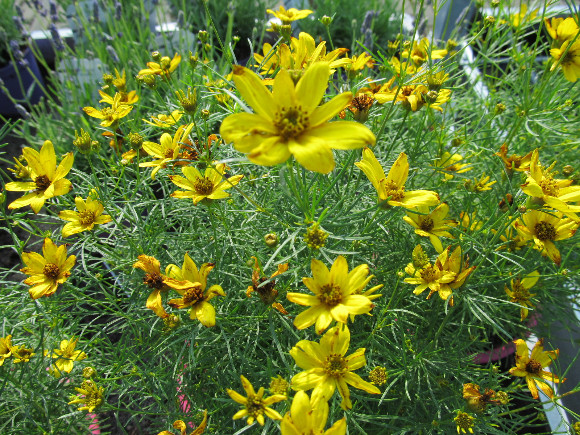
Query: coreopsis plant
pixel 89 213
pixel 65 356
pixel 256 406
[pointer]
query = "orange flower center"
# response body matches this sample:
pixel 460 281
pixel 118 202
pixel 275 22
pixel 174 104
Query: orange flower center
pixel 395 192
pixel 426 223
pixel 168 154
pixel 330 295
pixel 203 186
pixel 549 186
pixel 254 406
pixel 430 273
pixel 335 365
pixel 153 280
pixel 545 231
pixel 86 217
pixel 51 270
pixel 291 121
pixel 193 295
pixel 42 183
pixel 533 367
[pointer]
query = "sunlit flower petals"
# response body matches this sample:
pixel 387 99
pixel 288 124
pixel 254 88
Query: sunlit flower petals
pixel 154 303
pixel 345 135
pixel 64 167
pixel 271 151
pixel 357 304
pixel 330 109
pixel 307 354
pixel 34 261
pixel 239 125
pixel 312 86
pixel 302 299
pixel 358 277
pixel 20 186
pixel 320 273
pixel 340 313
pixel 204 312
pixel 357 382
pixel 254 91
pixel 324 389
pixel 314 154
pixel 323 321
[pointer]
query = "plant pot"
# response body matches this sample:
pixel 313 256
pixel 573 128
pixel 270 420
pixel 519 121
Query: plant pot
pixel 22 84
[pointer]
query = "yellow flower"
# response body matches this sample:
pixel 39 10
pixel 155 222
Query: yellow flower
pixel 477 401
pixel 191 284
pixel 292 14
pixel 167 150
pixel 125 98
pixel 20 353
pixel 561 29
pixel 568 58
pixel 531 367
pixel 89 214
pixel 355 64
pixel 392 187
pixel 256 406
pixel 164 68
pixel 165 121
pixel 516 20
pixel 514 162
pixel 110 115
pixel 464 422
pixel 48 179
pixel 91 396
pixel 556 193
pixel 469 221
pixel 457 264
pixel 481 184
pixel 289 122
pixel 326 367
pixel 211 185
pixel 336 294
pixel 544 229
pixel 512 241
pixel 449 164
pixel 378 376
pixel 48 270
pixel 154 280
pixel 66 356
pixel 520 293
pixel 266 287
pixel 19 170
pixel 433 277
pixel 182 427
pixel 307 417
pixel 5 348
pixel 421 52
pixel 431 224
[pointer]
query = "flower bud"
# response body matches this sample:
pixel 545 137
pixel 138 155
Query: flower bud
pixel 271 240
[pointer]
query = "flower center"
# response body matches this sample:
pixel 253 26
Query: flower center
pixel 430 273
pixel 153 280
pixel 203 186
pixel 520 293
pixel 291 121
pixel 168 154
pixel 549 186
pixel 254 406
pixel 533 367
pixel 335 365
pixel 86 217
pixel 267 292
pixel 42 182
pixel 330 295
pixel 193 295
pixel 395 192
pixel 51 270
pixel 108 113
pixel 426 223
pixel 545 231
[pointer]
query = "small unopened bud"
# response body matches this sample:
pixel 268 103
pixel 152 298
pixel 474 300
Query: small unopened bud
pixel 431 96
pixel 155 55
pixel 108 78
pixel 499 108
pixel 522 209
pixel 203 36
pixel 271 240
pixel 89 372
pixel 503 397
pixel 205 114
pixel 148 80
pixel 84 143
pixel 489 20
pixel 326 20
pixel 568 170
pixel 451 45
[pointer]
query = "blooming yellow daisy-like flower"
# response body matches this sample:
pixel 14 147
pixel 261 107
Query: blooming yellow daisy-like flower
pixel 164 68
pixel 464 422
pixel 128 99
pixel 544 229
pixel 391 188
pixel 154 280
pixel 91 396
pixel 556 193
pixel 480 184
pixel 432 276
pixel 21 353
pixel 531 367
pixel 5 348
pixel 568 58
pixel 336 294
pixel 421 52
pixel 47 179
pixel 289 15
pixel 256 406
pixel 512 241
pixel 65 356
pixel 164 121
pixel 326 367
pixel 520 292
pixel 191 283
pixel 431 224
pixel 288 120
pixel 514 162
pixel 449 164
pixel 306 417
pixel 110 115
pixel 561 29
pixel 469 222
pixel 167 150
pixel 89 214
pixel 48 270
pixel 211 185
pixel 182 427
